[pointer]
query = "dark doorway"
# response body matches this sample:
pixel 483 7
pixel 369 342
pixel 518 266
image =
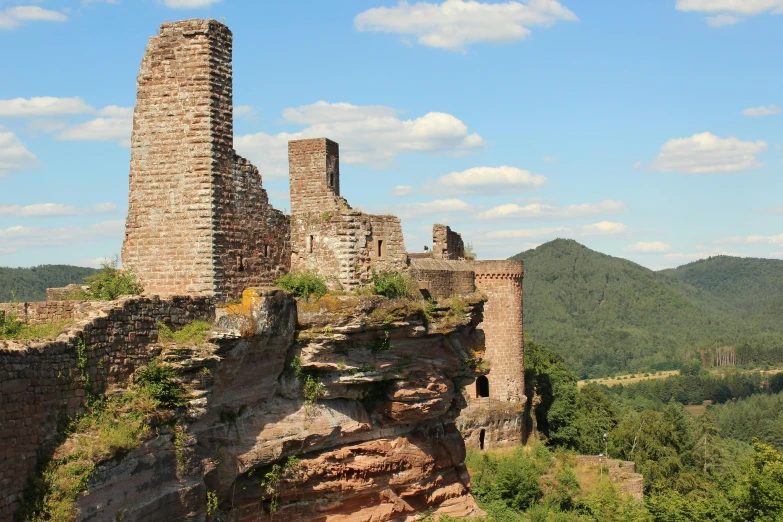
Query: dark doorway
pixel 481 439
pixel 482 387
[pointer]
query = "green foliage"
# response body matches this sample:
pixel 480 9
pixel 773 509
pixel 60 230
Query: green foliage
pixel 470 253
pixel 193 333
pixel 607 315
pixel 159 381
pixel 391 284
pixel 111 282
pixel 303 284
pixel 30 284
pixel 513 480
pixel 759 494
pixel 12 328
pixel 596 415
pixel 212 502
pixel 312 389
pixel 273 478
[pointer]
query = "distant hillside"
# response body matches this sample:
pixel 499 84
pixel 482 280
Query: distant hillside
pixel 30 284
pixel 606 314
pixel 753 285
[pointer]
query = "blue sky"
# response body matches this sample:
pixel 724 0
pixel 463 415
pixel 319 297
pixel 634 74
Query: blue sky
pixel 649 129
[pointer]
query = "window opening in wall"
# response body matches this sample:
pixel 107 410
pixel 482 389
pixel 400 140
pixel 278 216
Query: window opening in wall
pixel 481 439
pixel 309 244
pixel 331 180
pixel 380 248
pixel 266 250
pixel 482 386
pixel 240 264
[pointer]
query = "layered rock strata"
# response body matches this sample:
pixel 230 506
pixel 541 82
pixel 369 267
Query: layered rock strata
pixel 336 409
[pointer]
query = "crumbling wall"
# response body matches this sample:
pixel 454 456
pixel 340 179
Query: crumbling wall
pixel 446 244
pixel 327 236
pixel 43 312
pixel 41 382
pixel 199 221
pixel 441 279
pixel 501 281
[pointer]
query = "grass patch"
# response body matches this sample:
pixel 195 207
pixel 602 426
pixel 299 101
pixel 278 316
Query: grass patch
pixel 11 328
pixel 192 333
pixel 392 284
pixel 303 284
pixel 112 427
pixel 110 283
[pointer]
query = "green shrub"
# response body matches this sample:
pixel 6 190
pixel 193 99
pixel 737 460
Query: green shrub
pixel 159 382
pixel 10 326
pixel 192 333
pixel 469 254
pixel 111 282
pixel 391 284
pixel 303 284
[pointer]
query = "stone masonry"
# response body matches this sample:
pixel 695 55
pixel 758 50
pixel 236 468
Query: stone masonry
pixel 447 244
pixel 41 384
pixel 327 235
pixel 199 221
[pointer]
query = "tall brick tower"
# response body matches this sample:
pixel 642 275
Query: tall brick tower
pixel 502 325
pixel 314 170
pixel 199 221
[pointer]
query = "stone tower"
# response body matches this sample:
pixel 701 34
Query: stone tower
pixel 199 221
pixel 501 281
pixel 314 170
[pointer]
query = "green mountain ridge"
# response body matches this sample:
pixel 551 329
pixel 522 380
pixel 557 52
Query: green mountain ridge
pixel 605 314
pixel 30 284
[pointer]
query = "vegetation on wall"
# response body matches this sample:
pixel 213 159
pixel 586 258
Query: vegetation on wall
pixel 111 282
pixel 303 284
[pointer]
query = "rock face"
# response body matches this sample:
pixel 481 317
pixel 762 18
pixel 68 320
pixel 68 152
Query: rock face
pixel 337 409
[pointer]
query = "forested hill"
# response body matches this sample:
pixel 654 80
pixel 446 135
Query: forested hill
pixel 30 284
pixel 753 285
pixel 606 315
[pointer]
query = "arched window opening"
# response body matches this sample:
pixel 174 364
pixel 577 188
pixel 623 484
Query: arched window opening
pixel 482 386
pixel 481 439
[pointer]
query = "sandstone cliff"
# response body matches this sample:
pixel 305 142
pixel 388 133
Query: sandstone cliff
pixel 337 409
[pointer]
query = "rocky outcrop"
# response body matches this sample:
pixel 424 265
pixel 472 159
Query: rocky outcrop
pixel 336 409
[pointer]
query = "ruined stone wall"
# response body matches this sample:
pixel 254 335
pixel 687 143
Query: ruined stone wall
pixel 442 279
pixel 314 169
pixel 40 382
pixel 64 293
pixel 621 472
pixel 446 244
pixel 488 424
pixel 199 221
pixel 253 247
pixel 43 312
pixel 501 281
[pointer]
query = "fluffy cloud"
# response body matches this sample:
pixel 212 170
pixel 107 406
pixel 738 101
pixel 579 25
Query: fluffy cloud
pixel 188 4
pixel 706 153
pixel 769 210
pixel 428 209
pixel 14 156
pixel 19 236
pixel 768 110
pixel 43 106
pixel 642 247
pixel 244 111
pixel 101 129
pixel 753 239
pixel 401 190
pixel 53 209
pixel 487 180
pixel 371 135
pixel 735 7
pixel 543 210
pixel 602 228
pixel 455 24
pixel 14 16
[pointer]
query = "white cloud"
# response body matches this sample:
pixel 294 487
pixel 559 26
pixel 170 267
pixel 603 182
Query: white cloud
pixel 14 156
pixel 401 190
pixel 19 236
pixel 46 126
pixel 487 180
pixel 549 158
pixel 768 110
pixel 706 153
pixel 752 239
pixel 14 16
pixel 637 165
pixel 455 24
pixel 113 111
pixel 438 207
pixel 188 4
pixel 53 209
pixel 722 20
pixel 602 228
pixel 543 210
pixel 244 111
pixel 100 129
pixel 43 106
pixel 642 247
pixel 370 135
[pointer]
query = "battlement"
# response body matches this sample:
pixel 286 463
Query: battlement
pixel 499 269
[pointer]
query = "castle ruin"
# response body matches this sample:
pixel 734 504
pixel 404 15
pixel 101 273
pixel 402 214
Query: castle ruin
pixel 200 223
